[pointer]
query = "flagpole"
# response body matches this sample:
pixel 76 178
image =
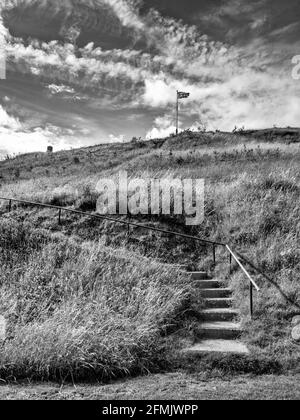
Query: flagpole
pixel 177 112
pixel 180 95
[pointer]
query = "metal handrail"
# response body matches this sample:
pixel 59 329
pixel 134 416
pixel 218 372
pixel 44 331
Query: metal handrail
pixel 252 282
pixel 153 229
pixel 259 271
pixel 243 268
pixel 123 222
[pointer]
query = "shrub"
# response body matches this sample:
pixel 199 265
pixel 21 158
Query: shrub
pixel 88 199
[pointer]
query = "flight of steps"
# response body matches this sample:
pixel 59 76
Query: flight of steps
pixel 218 330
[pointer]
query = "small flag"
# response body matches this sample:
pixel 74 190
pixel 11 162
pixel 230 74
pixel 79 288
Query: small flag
pixel 182 95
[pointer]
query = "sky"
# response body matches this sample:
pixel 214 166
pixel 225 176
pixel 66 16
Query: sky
pixel 84 72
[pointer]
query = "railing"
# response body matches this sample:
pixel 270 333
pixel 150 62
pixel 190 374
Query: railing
pixel 252 282
pixel 213 244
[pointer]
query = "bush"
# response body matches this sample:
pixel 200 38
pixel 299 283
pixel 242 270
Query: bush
pixel 88 199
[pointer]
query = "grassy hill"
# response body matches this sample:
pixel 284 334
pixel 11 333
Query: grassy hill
pixel 77 298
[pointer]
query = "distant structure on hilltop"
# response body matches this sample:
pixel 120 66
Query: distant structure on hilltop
pixel 50 149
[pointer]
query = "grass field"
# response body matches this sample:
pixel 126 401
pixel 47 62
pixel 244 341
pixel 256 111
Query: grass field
pixel 78 300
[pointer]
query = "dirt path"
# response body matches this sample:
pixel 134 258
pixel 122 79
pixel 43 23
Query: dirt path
pixel 165 386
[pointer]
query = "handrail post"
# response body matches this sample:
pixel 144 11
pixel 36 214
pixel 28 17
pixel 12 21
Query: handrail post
pixel 251 300
pixel 59 217
pixel 243 268
pixel 9 206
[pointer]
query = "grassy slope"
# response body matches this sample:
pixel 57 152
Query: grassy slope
pixel 252 200
pixel 80 309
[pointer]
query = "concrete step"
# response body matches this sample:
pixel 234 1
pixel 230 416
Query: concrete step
pixel 217 346
pixel 218 303
pixel 216 293
pixel 218 330
pixel 208 284
pixel 219 314
pixel 199 275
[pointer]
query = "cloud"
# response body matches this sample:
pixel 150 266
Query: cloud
pixel 66 92
pixel 116 139
pixel 134 74
pixel 57 89
pixel 83 11
pixel 163 127
pixel 26 142
pixel 126 12
pixel 230 85
pixel 217 75
pixel 15 138
pixel 93 69
pixel 158 92
pixel 7 121
pixel 70 33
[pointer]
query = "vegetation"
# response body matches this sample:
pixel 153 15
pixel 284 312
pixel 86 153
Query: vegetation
pixel 79 309
pixel 78 300
pixel 176 385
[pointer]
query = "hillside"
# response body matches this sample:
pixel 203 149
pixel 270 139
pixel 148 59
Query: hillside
pixel 88 275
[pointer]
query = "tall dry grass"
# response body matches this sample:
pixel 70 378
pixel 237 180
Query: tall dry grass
pixel 81 310
pixel 252 201
pixel 259 214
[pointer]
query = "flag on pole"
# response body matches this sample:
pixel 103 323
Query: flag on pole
pixel 182 95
